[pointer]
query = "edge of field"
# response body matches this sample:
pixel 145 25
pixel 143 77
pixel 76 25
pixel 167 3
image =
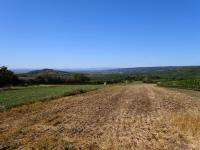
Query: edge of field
pixel 190 92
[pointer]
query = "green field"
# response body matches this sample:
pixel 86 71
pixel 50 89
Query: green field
pixel 192 84
pixel 19 96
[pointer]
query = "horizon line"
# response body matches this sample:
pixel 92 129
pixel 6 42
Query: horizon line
pixel 83 68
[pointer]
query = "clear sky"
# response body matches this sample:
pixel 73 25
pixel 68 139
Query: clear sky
pixel 99 33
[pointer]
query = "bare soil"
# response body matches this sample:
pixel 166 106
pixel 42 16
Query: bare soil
pixel 120 117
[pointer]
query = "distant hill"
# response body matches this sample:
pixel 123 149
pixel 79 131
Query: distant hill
pixel 169 70
pixel 150 70
pixel 118 70
pixel 35 73
pixel 115 75
pixel 148 74
pixel 20 71
pixel 47 71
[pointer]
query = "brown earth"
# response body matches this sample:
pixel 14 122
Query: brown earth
pixel 119 117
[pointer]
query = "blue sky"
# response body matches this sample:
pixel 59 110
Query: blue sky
pixel 99 33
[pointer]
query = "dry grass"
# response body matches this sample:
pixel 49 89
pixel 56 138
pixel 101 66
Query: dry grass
pixel 52 143
pixel 119 117
pixel 187 122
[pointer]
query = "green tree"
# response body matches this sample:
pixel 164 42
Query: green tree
pixel 7 77
pixel 80 78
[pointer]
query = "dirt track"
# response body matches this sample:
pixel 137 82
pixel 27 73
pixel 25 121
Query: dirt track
pixel 120 117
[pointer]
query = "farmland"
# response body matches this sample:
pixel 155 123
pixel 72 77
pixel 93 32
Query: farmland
pixel 19 96
pixel 130 114
pixel 140 116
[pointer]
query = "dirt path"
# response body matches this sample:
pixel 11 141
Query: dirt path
pixel 120 117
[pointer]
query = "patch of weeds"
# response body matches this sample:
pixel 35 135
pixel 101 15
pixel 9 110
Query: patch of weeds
pixel 93 146
pixel 53 143
pixel 68 145
pixel 45 143
pixel 187 122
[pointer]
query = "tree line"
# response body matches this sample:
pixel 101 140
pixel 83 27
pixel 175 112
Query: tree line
pixel 9 78
pixel 183 77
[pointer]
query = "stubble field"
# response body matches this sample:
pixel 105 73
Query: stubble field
pixel 119 117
